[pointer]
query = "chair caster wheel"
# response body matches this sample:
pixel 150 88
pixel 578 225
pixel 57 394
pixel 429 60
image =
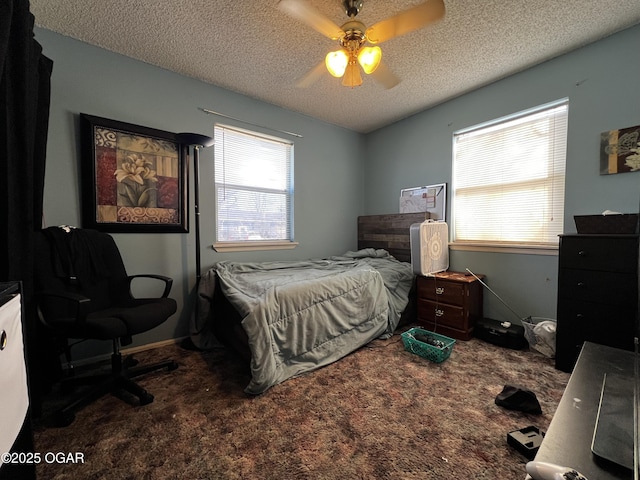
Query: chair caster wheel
pixel 146 399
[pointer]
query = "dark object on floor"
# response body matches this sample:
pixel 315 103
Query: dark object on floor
pixel 430 340
pixel 514 397
pixel 84 292
pixel 503 334
pixel 526 440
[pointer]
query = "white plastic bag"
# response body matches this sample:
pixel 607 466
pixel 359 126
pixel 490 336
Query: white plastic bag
pixel 541 335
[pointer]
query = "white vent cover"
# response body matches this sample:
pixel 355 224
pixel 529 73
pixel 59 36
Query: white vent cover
pixel 429 247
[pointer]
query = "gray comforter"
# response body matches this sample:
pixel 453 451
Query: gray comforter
pixel 301 315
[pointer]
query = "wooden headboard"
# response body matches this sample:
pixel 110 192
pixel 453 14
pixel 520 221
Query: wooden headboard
pixel 390 232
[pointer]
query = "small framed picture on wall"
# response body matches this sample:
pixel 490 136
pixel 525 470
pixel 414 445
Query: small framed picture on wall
pixel 620 151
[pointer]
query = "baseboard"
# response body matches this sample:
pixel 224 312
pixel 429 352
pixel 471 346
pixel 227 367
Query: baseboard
pixel 127 351
pixel 151 346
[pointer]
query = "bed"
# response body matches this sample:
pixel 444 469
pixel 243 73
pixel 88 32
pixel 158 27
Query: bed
pixel 287 318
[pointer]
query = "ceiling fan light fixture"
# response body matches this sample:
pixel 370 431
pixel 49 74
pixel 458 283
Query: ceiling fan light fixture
pixel 354 35
pixel 369 59
pixel 337 62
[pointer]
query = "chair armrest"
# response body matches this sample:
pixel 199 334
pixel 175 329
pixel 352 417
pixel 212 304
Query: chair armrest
pixel 168 282
pixel 81 302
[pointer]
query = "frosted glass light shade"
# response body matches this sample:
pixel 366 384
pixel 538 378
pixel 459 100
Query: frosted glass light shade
pixel 337 62
pixel 369 58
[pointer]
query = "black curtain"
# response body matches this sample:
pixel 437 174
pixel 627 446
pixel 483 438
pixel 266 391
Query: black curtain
pixel 25 75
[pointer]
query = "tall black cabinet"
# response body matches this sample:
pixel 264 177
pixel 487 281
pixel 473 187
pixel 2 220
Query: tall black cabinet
pixel 597 294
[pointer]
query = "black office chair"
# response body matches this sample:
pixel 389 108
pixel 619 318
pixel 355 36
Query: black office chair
pixel 84 292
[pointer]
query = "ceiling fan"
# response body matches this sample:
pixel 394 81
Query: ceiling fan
pixel 354 39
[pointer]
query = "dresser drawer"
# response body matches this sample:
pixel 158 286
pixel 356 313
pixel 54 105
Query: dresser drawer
pixel 441 313
pixel 594 252
pixel 434 288
pixel 611 288
pixel 588 320
pixel 594 322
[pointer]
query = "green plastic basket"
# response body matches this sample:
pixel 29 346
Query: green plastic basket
pixel 434 353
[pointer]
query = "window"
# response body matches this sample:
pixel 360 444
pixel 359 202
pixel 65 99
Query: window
pixel 508 179
pixel 254 190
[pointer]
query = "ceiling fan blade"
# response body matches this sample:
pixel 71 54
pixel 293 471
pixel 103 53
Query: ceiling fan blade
pixel 384 76
pixel 312 76
pixel 405 22
pixel 307 13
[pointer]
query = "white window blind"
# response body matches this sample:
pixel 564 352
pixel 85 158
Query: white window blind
pixel 508 179
pixel 254 186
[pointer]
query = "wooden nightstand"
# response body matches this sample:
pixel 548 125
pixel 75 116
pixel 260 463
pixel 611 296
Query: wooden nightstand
pixel 449 303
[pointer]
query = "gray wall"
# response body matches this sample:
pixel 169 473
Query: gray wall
pixel 340 174
pixel 601 82
pixel 329 188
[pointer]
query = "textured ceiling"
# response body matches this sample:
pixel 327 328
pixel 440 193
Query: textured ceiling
pixel 252 47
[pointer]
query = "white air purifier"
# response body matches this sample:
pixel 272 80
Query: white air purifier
pixel 429 247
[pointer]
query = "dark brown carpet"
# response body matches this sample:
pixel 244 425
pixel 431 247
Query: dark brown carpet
pixel 380 413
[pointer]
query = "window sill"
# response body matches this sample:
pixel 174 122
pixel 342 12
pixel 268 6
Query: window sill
pixel 522 249
pixel 253 246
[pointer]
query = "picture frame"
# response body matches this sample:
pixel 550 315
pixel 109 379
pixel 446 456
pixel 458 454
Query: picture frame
pixel 620 151
pixel 431 199
pixel 133 178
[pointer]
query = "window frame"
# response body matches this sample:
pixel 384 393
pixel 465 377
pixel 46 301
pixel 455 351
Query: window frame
pixel 500 245
pixel 255 244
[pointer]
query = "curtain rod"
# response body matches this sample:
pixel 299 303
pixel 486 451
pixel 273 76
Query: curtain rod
pixel 211 112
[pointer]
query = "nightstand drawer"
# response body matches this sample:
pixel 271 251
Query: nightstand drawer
pixel 441 290
pixel 444 314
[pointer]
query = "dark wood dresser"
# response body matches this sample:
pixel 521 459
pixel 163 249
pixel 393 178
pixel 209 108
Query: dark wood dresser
pixel 449 303
pixel 597 294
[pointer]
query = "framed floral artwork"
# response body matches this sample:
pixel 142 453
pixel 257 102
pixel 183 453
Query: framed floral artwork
pixel 620 151
pixel 134 179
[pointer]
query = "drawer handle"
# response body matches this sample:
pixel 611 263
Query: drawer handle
pixel 439 312
pixel 580 284
pixel 582 253
pixel 439 290
pixel 3 340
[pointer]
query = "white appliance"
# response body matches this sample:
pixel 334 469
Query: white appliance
pixel 429 247
pixel 14 394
